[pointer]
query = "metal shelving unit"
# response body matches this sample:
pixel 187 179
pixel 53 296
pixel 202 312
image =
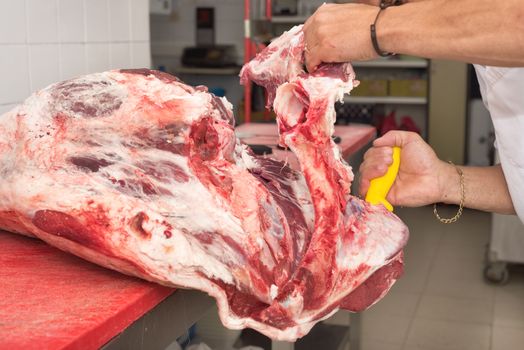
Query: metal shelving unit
pixel 394 100
pixel 403 68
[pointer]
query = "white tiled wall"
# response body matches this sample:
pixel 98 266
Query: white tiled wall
pixel 170 34
pixel 44 41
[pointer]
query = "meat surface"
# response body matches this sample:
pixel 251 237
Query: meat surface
pixel 138 172
pixel 355 252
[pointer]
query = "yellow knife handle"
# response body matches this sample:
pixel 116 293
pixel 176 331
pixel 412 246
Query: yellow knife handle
pixel 379 187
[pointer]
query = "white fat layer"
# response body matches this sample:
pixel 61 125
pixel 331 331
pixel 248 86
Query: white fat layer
pixel 273 291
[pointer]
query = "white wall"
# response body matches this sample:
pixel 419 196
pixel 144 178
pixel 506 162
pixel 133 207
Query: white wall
pixel 44 41
pixel 171 33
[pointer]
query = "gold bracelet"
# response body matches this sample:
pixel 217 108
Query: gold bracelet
pixel 462 200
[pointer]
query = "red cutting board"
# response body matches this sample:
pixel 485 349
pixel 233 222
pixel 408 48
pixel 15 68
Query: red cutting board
pixel 53 300
pixel 353 138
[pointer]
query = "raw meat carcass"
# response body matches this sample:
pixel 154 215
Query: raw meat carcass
pixel 138 172
pixel 354 246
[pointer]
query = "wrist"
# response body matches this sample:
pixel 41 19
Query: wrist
pixel 387 30
pixel 449 184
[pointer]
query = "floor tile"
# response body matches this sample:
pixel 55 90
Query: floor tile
pixel 386 329
pixel 472 230
pixel 446 266
pixel 442 335
pixel 414 347
pixel 509 304
pixel 455 309
pixel 460 253
pixel 421 250
pixel 370 344
pixel 461 288
pixel 411 283
pixel 423 231
pixel 459 279
pixel 507 338
pixel 396 303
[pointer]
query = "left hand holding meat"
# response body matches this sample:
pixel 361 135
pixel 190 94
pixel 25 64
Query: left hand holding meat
pixel 339 33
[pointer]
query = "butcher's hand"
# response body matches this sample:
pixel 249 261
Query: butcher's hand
pixel 339 33
pixel 422 176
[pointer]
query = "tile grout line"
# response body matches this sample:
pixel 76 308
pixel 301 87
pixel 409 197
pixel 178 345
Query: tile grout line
pixel 132 57
pixel 43 43
pixel 426 281
pixel 28 47
pixel 59 35
pixel 491 329
pixel 110 35
pixel 458 322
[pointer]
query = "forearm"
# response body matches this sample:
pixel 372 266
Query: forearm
pixel 485 188
pixel 475 31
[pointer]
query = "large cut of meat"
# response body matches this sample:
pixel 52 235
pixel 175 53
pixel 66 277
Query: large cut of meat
pixel 138 172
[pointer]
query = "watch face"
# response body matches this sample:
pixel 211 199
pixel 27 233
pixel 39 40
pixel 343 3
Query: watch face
pixel 386 3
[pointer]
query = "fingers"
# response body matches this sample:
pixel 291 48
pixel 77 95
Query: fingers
pixel 312 38
pixel 397 138
pixel 375 164
pixel 363 187
pixel 385 153
pixel 312 59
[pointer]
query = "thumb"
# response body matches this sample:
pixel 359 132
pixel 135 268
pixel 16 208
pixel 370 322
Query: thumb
pixel 396 138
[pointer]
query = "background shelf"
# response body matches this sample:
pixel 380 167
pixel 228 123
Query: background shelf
pixel 391 64
pixel 386 100
pixel 208 71
pixel 289 19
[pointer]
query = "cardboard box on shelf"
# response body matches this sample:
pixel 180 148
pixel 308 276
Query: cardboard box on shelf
pixel 408 87
pixel 371 87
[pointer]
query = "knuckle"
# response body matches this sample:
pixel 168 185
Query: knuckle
pixel 386 152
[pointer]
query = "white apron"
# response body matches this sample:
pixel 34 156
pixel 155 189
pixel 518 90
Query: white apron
pixel 503 94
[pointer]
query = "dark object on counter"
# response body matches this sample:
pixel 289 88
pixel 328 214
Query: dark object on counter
pixel 261 149
pixel 216 56
pixel 285 7
pixel 205 26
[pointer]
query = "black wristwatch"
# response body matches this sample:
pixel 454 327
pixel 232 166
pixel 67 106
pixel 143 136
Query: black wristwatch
pixel 388 3
pixel 383 5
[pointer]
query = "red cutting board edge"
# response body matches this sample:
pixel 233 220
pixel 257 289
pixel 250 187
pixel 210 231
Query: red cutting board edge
pixel 50 299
